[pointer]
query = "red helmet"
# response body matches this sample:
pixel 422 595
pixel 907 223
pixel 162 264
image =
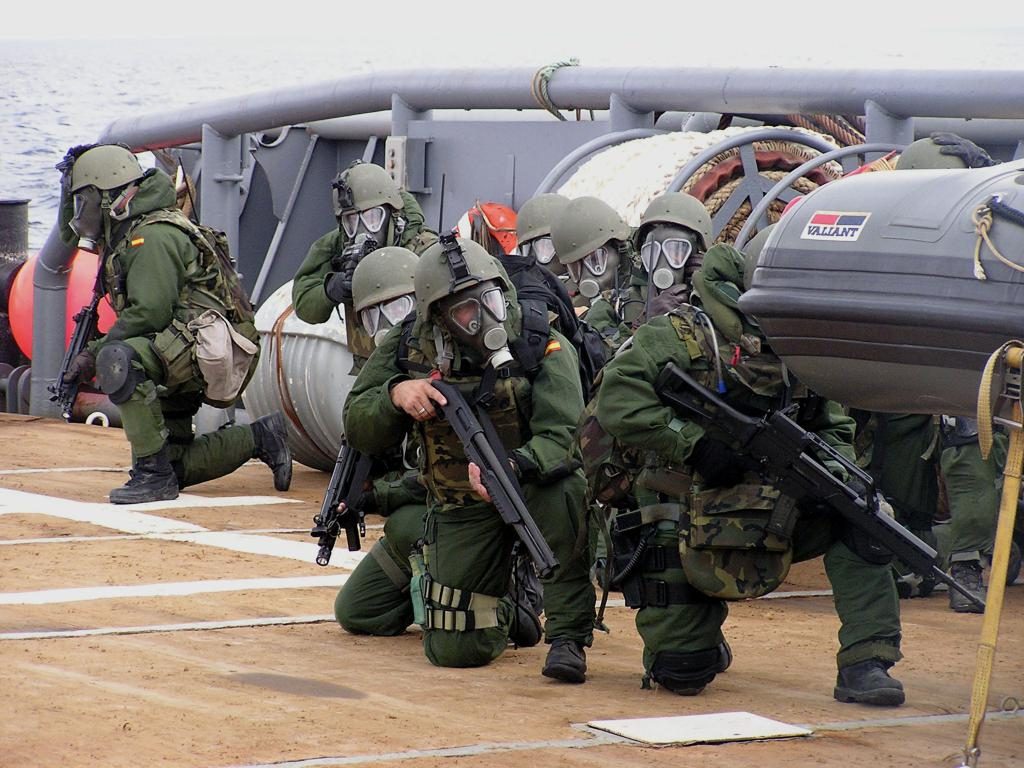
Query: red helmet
pixel 492 225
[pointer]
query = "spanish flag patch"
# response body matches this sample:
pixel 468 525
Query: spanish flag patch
pixel 553 346
pixel 137 241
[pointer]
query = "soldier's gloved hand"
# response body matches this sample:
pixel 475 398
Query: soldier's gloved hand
pixel 337 288
pixel 82 368
pixel 668 300
pixel 716 462
pixel 65 165
pixel 966 150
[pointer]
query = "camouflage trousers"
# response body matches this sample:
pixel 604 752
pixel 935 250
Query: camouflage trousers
pixel 375 598
pixel 864 595
pixel 156 414
pixel 469 549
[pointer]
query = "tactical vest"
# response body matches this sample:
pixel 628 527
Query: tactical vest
pixel 443 460
pixel 737 541
pixel 211 281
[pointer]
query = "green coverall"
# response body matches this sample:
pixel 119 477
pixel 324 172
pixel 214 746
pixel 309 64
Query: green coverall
pixel 466 545
pixel 629 408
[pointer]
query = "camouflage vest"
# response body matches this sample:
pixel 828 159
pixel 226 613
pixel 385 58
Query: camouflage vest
pixel 443 462
pixel 736 542
pixel 211 280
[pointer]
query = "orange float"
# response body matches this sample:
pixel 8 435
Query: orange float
pixel 80 284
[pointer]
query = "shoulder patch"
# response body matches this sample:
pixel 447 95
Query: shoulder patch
pixel 137 241
pixel 553 346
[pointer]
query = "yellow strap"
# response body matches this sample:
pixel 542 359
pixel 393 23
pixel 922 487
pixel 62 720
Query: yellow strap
pixel 997 576
pixel 985 413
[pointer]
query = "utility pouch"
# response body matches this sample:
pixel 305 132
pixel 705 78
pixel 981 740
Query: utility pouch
pixel 673 482
pixel 739 541
pixel 223 356
pixel 175 346
pixel 416 587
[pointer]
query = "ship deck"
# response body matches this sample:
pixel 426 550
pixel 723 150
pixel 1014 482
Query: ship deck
pixel 200 632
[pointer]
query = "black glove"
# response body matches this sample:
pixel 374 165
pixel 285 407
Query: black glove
pixel 969 153
pixel 82 368
pixel 337 288
pixel 672 297
pixel 717 464
pixel 65 165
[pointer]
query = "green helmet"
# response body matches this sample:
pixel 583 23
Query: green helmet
pixel 537 215
pixel 586 224
pixel 681 209
pixel 382 275
pixel 750 253
pixel 362 186
pixel 436 278
pixel 105 167
pixel 925 153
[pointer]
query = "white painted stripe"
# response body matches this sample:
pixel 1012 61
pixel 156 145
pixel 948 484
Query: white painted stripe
pixel 167 589
pixel 598 739
pixel 135 536
pixel 127 519
pixel 191 626
pixel 62 469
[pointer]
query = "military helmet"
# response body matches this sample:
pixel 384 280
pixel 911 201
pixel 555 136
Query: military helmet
pixel 538 214
pixel 382 275
pixel 586 224
pixel 436 277
pixel 365 185
pixel 107 166
pixel 750 253
pixel 681 209
pixel 925 153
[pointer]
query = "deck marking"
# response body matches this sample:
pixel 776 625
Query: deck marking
pixel 599 739
pixel 62 469
pixel 188 627
pixel 167 589
pixel 138 536
pixel 129 519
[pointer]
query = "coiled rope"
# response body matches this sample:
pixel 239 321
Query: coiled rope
pixel 541 82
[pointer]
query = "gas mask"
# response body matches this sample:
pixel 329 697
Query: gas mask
pixel 87 221
pixel 670 256
pixel 380 318
pixel 372 221
pixel 475 316
pixel 542 250
pixel 597 271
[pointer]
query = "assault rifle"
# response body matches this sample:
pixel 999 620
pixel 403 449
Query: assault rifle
pixel 64 392
pixel 787 455
pixel 348 487
pixel 496 477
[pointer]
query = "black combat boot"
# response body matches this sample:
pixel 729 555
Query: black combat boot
pixel 566 661
pixel 968 574
pixel 724 656
pixel 527 596
pixel 151 479
pixel 868 682
pixel 271 437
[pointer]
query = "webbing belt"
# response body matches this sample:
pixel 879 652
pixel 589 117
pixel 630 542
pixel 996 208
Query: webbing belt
pixel 391 569
pixel 459 610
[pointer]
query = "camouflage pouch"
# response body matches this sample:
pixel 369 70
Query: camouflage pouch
pixel 175 346
pixel 735 547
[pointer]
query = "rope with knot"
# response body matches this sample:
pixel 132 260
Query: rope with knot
pixel 541 82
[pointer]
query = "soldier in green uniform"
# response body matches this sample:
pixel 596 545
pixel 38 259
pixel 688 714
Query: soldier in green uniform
pixel 699 535
pixel 184 334
pixel 467 318
pixel 368 206
pixel 595 245
pixel 673 234
pixel 533 229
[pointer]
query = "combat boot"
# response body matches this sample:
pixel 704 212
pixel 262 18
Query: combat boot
pixel 968 574
pixel 270 434
pixel 527 596
pixel 868 682
pixel 151 478
pixel 724 656
pixel 566 661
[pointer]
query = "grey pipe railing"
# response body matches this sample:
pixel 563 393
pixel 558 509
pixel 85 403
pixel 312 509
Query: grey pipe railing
pixel 777 90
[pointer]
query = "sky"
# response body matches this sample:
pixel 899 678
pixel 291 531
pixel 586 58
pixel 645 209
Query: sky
pixel 482 33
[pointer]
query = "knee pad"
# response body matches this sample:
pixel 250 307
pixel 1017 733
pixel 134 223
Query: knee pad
pixel 115 373
pixel 686 673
